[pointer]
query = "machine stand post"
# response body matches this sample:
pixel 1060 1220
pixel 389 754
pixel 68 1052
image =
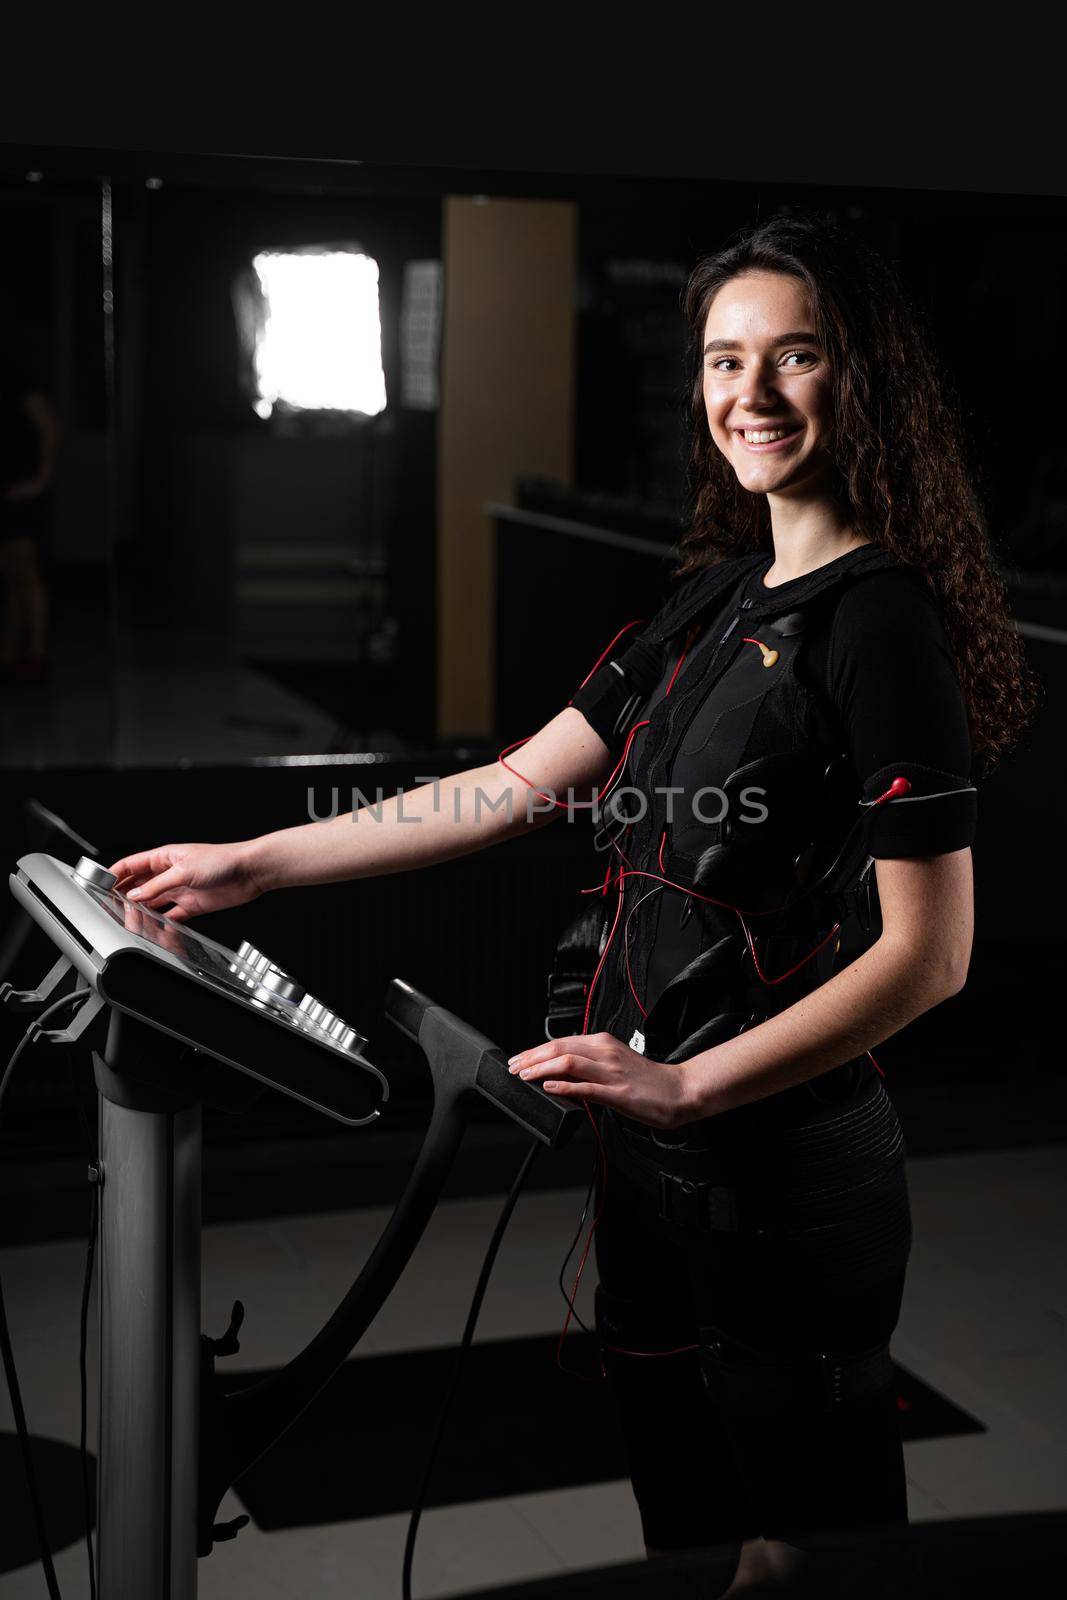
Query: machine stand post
pixel 150 1157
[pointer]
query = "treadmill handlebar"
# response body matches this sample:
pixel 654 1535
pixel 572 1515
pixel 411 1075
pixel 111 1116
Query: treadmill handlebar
pixel 405 1007
pixel 463 1061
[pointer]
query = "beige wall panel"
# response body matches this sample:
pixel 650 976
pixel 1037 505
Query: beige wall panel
pixel 507 407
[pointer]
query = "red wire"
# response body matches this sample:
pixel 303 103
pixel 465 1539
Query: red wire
pixel 603 1168
pixel 607 652
pixel 674 674
pixel 620 879
pixel 620 764
pixel 600 964
pixel 802 962
pixel 508 748
pixel 577 805
pixel 572 1297
pixel 626 948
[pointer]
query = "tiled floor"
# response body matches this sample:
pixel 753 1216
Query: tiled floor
pixel 984 1322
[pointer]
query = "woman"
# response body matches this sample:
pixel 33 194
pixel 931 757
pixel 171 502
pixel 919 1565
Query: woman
pixel 804 707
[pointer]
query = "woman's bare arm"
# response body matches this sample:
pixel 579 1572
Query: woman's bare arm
pixel 437 821
pixel 920 959
pixel 442 820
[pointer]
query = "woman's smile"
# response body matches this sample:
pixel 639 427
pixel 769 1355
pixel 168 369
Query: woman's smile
pixel 769 437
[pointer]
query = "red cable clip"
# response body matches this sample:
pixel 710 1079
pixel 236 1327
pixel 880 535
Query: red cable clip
pixel 898 787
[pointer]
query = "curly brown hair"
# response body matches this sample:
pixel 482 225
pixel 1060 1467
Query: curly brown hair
pixel 901 472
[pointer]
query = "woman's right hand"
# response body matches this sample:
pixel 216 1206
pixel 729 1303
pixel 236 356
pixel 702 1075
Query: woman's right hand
pixel 191 878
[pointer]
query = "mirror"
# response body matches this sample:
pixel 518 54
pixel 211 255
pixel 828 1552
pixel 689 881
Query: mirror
pixel 57 567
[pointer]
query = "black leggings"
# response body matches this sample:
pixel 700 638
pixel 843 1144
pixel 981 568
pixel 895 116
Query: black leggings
pixel 823 1273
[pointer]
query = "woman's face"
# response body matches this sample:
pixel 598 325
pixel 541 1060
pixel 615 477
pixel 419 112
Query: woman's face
pixel 767 388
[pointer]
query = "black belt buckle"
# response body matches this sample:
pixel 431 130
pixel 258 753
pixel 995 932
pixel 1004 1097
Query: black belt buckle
pixel 705 1206
pixel 829 1381
pixel 853 1378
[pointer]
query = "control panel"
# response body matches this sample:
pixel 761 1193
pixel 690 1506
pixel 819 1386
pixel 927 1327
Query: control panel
pixel 236 1005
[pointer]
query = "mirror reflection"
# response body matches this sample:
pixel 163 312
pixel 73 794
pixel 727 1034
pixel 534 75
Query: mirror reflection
pixel 56 623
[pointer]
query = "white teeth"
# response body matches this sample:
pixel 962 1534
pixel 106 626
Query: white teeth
pixel 764 435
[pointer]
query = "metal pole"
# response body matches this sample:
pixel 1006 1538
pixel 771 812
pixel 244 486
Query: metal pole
pixel 149 1343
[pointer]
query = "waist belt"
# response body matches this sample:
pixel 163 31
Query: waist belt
pixel 656 1161
pixel 817 1380
pixel 688 1201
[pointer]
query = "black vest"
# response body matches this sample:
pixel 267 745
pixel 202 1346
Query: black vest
pixel 784 841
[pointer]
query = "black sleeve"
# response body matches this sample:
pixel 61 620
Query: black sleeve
pixel 892 677
pixel 612 696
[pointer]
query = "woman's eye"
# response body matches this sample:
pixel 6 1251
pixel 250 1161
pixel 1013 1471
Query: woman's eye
pixel 724 364
pixel 799 356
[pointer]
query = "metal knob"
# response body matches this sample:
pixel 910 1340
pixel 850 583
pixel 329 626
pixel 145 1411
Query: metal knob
pixel 93 875
pixel 281 987
pixel 257 960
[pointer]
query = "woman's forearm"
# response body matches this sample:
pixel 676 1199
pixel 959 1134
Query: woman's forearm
pixel 444 818
pixel 871 999
pixel 438 821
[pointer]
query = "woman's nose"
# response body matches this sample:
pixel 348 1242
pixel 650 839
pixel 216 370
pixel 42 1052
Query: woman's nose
pixel 758 392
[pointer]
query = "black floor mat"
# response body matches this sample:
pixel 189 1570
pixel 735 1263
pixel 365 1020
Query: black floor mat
pixel 359 1450
pixel 59 1482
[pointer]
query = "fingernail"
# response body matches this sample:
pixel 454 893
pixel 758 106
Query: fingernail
pixel 525 1073
pixel 513 1070
pixel 134 894
pixel 512 1060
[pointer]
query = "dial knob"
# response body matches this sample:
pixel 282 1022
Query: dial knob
pixel 312 1009
pixel 281 987
pixel 93 875
pixel 257 960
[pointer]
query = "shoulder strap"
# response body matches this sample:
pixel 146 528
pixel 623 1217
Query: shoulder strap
pixel 765 602
pixel 699 592
pixel 704 588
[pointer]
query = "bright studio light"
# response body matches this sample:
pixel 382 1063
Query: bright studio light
pixel 320 344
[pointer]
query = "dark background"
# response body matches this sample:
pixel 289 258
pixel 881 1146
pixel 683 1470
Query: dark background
pixel 164 464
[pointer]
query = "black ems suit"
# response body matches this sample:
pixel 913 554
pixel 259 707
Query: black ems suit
pixel 767 1245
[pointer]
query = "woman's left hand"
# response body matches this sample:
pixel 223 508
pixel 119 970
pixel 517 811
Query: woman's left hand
pixel 597 1067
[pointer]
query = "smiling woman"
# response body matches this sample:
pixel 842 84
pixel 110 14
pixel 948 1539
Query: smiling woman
pixel 839 649
pixel 842 643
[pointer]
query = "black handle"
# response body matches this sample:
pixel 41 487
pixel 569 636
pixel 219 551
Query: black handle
pixel 461 1059
pixel 553 1121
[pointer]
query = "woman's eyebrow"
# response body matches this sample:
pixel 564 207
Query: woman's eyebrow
pixel 781 338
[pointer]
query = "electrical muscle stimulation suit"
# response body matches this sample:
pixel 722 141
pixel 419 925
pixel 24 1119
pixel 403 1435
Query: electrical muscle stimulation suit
pixel 759 1254
pixel 177 1022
